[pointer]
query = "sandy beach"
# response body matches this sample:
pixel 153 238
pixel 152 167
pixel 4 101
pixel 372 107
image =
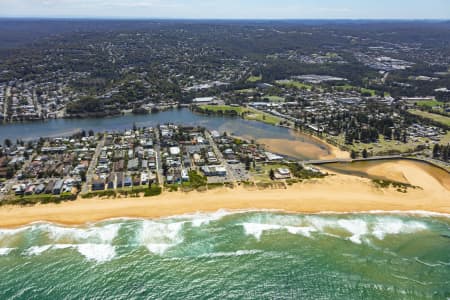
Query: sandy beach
pixel 336 193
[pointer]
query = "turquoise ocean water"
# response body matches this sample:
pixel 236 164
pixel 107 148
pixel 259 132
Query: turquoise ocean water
pixel 224 255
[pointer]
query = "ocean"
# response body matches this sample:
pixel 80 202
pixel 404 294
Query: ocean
pixel 231 255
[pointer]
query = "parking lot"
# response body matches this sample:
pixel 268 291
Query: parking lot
pixel 238 172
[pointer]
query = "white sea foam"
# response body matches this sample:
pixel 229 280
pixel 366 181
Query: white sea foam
pixel 320 223
pixel 198 219
pixel 158 237
pixel 37 250
pixel 63 246
pixel 5 251
pixel 94 243
pixel 419 213
pixel 4 233
pixel 99 234
pixel 360 229
pixel 305 231
pixel 389 226
pixel 97 252
pixel 257 230
pixel 356 227
pixel 159 249
pixel 231 254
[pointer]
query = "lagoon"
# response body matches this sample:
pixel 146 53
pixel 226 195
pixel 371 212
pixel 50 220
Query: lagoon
pixel 232 125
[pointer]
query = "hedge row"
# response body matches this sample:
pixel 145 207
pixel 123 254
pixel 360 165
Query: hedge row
pixel 132 192
pixel 35 199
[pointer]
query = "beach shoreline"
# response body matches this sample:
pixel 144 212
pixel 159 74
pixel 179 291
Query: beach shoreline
pixel 337 193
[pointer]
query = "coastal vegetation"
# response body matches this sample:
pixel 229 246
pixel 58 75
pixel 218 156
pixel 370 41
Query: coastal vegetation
pixel 125 192
pixel 302 173
pixel 401 187
pixel 38 199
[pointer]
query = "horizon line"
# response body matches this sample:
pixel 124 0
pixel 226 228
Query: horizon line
pixel 216 19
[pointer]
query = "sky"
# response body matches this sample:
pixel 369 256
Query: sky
pixel 229 9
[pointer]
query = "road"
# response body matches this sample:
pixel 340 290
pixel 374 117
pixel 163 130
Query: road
pixel 90 172
pixel 159 170
pixel 5 104
pixel 385 77
pixel 230 171
pixel 328 161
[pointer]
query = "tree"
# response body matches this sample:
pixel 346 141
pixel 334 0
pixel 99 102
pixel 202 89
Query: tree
pixel 446 153
pixel 272 174
pixel 364 153
pixel 83 176
pixel 247 164
pixel 165 169
pixel 9 173
pixel 8 143
pixel 436 151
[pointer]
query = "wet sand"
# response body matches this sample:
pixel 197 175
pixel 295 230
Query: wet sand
pixel 305 147
pixel 401 170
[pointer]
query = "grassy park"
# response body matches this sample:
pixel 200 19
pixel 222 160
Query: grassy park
pixel 254 78
pixel 244 112
pixel 434 117
pixel 295 84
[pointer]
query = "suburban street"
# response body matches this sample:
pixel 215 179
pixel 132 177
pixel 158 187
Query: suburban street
pixel 90 172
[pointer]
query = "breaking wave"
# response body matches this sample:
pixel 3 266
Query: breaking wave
pixel 100 242
pixel 5 251
pixel 93 242
pixel 159 237
pixel 230 254
pixel 356 230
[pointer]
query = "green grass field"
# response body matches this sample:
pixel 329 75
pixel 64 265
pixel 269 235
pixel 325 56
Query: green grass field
pixel 348 87
pixel 245 91
pixel 249 113
pixel 262 117
pixel 371 92
pixel 429 103
pixel 435 117
pixel 295 84
pixel 275 99
pixel 224 108
pixel 263 174
pixel 254 78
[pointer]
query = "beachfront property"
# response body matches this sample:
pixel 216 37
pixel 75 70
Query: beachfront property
pixel 165 155
pixel 282 173
pixel 140 157
pixel 214 170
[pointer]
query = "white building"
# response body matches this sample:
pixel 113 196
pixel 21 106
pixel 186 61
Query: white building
pixel 174 151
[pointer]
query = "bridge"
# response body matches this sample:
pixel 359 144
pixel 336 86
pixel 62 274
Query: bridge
pixel 349 160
